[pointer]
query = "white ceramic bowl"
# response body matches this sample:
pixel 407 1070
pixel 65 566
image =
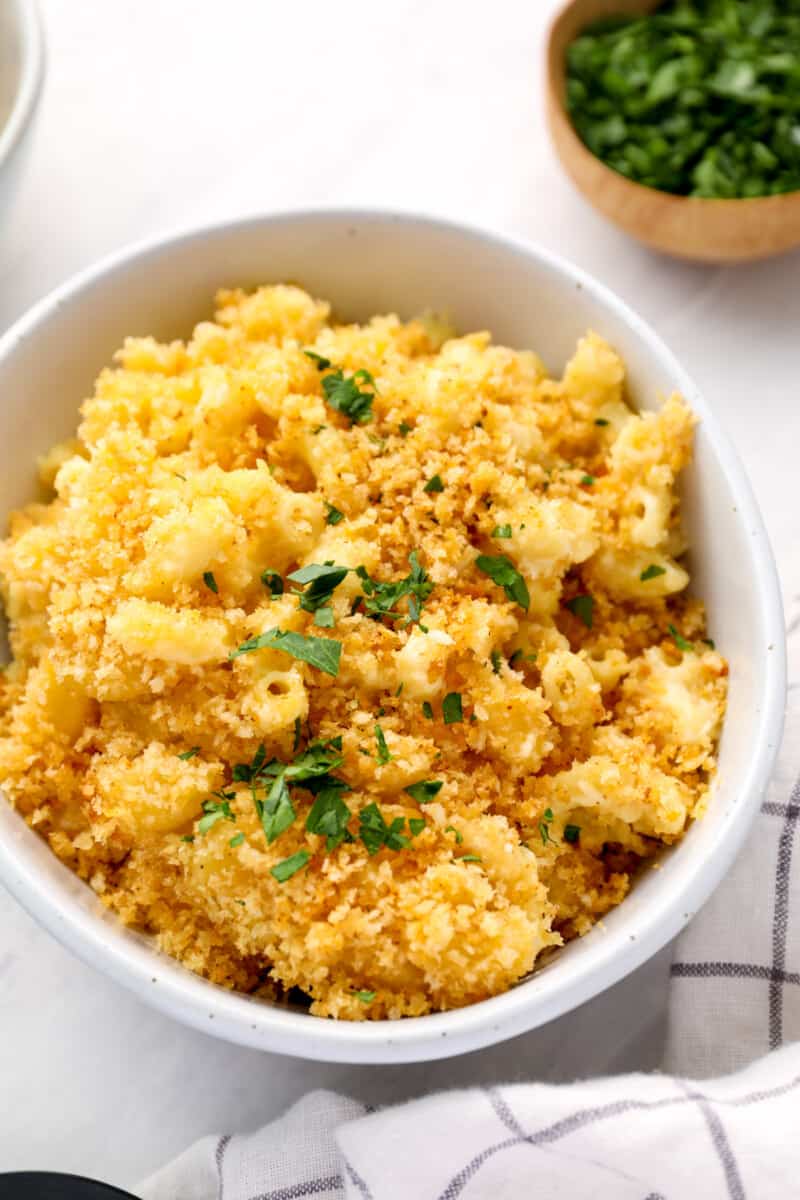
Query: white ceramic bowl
pixel 374 262
pixel 21 62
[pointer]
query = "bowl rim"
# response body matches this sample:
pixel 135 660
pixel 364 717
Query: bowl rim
pixel 174 990
pixel 29 24
pixel 554 78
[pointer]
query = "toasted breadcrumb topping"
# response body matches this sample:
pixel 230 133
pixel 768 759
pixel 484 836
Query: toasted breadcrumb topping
pixel 584 736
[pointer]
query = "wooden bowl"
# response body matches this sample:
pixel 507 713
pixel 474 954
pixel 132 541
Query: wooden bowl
pixel 712 231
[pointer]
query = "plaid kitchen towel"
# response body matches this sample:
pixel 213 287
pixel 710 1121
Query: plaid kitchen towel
pixel 735 998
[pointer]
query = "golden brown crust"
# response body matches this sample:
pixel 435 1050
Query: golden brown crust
pixel 222 455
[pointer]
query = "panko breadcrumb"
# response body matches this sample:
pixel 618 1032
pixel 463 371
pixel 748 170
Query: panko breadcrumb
pixel 545 676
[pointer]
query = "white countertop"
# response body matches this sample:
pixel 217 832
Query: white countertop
pixel 158 115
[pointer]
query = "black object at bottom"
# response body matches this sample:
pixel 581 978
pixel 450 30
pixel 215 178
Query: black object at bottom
pixel 44 1185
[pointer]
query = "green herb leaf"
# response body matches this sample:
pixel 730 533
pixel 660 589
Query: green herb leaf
pixel 215 810
pixel 468 858
pixel 416 825
pixel 501 531
pixel 380 600
pixel 345 396
pixel 276 810
pixel 583 608
pixel 210 582
pixel 502 571
pixel 318 759
pixel 679 641
pixel 404 429
pixel 572 834
pixel 334 515
pixel 187 754
pixel 452 829
pixel 383 750
pixel 427 710
pixel 236 840
pixel 601 421
pixel 272 580
pixel 328 817
pixel 497 660
pixel 322 653
pixel 434 484
pixel 588 480
pixel 188 837
pixel 365 997
pixel 709 642
pixel 544 827
pixel 375 833
pixel 319 580
pixel 451 708
pixel 424 791
pixel 652 572
pixel 322 363
pixel 290 866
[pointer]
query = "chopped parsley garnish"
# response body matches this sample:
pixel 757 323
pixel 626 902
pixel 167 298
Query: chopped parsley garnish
pixel 329 816
pixel 468 858
pixel 290 866
pixel 679 641
pixel 383 754
pixel 497 660
pixel 273 580
pixel 434 484
pixel 236 840
pixel 515 657
pixel 319 581
pixel 345 396
pixel 188 837
pixel 404 429
pixel 276 810
pixel 544 827
pixel 416 825
pixel 501 531
pixel 399 689
pixel 311 769
pixel 298 727
pixel 375 833
pixel 322 653
pixel 334 515
pixel 458 836
pixel 424 791
pixel 380 599
pixel 502 571
pixel 216 810
pixel 583 608
pixel 320 361
pixel 697 97
pixel 710 643
pixel 187 754
pixel 652 572
pixel 588 480
pixel 365 997
pixel 452 710
pixel 600 421
pixel 427 710
pixel 572 834
pixel 210 582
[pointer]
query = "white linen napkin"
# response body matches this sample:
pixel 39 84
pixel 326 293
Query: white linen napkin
pixel 735 997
